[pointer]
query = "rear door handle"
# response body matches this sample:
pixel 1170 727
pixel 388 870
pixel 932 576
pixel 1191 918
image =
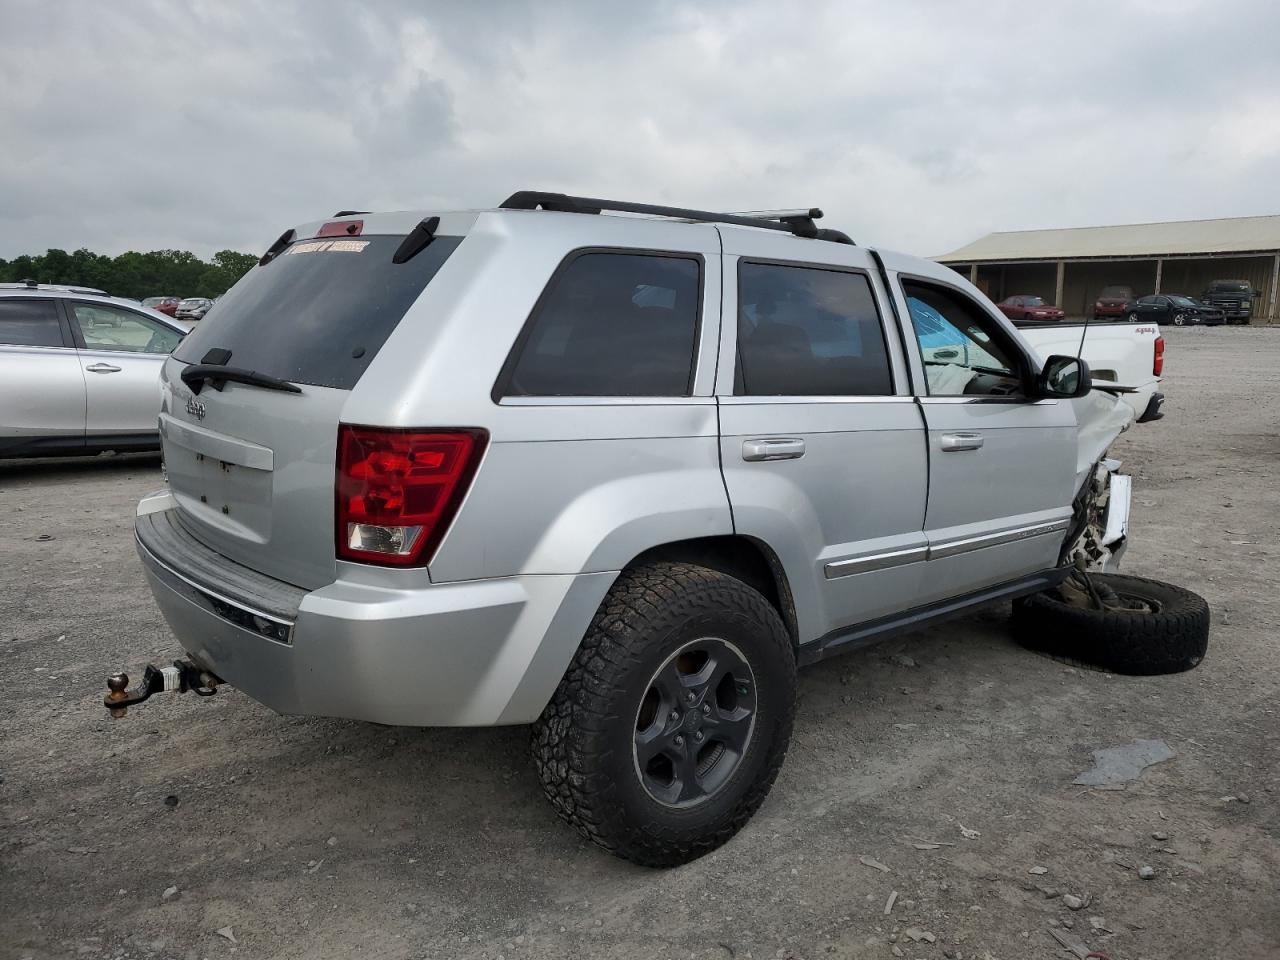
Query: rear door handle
pixel 102 368
pixel 773 448
pixel 955 442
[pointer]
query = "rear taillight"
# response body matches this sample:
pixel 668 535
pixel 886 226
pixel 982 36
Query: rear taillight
pixel 1157 365
pixel 398 490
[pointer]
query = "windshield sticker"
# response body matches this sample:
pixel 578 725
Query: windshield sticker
pixel 328 246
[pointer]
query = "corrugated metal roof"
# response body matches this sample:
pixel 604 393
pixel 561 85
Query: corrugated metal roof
pixel 1136 239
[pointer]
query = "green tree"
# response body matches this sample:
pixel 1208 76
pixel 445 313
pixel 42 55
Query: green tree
pixel 159 272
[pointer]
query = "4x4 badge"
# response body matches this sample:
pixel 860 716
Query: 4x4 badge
pixel 195 408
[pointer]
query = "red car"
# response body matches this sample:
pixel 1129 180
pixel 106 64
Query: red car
pixel 166 305
pixel 1113 302
pixel 1029 308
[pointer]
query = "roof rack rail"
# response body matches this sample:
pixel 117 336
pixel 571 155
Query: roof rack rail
pixel 797 222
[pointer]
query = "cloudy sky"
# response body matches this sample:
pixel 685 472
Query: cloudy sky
pixel 916 125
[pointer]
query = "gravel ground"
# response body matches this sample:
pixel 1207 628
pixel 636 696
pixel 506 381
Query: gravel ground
pixel 322 838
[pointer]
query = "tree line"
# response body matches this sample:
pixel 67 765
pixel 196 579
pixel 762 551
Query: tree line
pixel 177 273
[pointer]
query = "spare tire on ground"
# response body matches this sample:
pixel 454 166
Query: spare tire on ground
pixel 1146 627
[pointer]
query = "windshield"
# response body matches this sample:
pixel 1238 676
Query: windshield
pixel 320 311
pixel 1183 301
pixel 1116 293
pixel 1229 287
pixel 1032 301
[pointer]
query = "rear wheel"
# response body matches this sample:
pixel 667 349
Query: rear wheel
pixel 1146 627
pixel 670 725
pixel 1133 318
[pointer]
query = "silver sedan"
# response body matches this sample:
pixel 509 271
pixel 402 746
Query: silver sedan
pixel 79 373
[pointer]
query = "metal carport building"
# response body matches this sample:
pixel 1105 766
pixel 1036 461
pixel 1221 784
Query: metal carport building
pixel 1071 266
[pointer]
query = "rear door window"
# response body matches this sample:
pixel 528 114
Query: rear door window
pixel 807 331
pixel 30 323
pixel 320 311
pixel 610 324
pixel 110 328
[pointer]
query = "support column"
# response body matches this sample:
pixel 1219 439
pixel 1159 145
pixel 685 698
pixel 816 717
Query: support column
pixel 1159 275
pixel 1275 281
pixel 1060 285
pixel 973 274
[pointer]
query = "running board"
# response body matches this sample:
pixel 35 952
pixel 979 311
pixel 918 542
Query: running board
pixel 873 631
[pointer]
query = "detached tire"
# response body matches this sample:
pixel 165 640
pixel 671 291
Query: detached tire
pixel 1169 634
pixel 671 723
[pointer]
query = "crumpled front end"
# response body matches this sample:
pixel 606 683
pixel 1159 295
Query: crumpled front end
pixel 1100 525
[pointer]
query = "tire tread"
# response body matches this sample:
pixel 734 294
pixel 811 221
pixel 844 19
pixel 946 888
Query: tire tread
pixel 571 740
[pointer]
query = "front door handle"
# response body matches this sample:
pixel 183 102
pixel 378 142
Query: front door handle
pixel 102 368
pixel 773 448
pixel 955 442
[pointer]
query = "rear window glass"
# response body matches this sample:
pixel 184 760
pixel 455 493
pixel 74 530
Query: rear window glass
pixel 805 331
pixel 30 323
pixel 320 311
pixel 611 325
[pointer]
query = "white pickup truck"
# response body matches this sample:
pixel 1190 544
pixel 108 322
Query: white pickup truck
pixel 1126 354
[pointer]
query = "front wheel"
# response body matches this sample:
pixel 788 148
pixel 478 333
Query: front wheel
pixel 670 725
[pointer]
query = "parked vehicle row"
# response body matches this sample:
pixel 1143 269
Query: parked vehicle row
pixel 1226 301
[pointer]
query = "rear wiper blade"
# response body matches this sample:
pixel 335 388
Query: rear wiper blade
pixel 196 375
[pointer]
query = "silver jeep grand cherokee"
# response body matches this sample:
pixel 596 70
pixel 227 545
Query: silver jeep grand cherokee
pixel 614 476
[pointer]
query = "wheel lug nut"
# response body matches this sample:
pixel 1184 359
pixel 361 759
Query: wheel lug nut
pixel 706 709
pixel 691 696
pixel 678 741
pixel 698 736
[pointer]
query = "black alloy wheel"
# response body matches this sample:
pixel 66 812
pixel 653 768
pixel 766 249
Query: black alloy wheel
pixel 695 722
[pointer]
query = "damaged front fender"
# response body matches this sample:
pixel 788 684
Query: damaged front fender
pixel 1100 418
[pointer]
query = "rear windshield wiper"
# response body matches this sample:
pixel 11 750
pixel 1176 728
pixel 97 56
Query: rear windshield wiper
pixel 198 374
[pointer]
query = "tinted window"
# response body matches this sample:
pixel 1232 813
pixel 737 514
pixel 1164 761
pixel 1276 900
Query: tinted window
pixel 804 331
pixel 962 351
pixel 320 311
pixel 30 323
pixel 110 328
pixel 611 325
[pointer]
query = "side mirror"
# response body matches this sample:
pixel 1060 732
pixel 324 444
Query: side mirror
pixel 1064 378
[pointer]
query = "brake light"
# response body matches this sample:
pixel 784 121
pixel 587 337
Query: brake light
pixel 1157 366
pixel 341 228
pixel 398 490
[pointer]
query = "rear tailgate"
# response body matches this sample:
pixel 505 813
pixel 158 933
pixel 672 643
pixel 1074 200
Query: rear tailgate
pixel 252 469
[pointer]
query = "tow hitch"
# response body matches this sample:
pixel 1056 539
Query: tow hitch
pixel 183 676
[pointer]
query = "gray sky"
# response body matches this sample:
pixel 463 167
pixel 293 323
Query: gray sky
pixel 916 125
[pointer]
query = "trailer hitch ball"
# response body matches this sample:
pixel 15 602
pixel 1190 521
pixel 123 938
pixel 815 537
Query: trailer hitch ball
pixel 183 677
pixel 117 683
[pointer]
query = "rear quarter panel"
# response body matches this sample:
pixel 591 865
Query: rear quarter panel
pixel 567 485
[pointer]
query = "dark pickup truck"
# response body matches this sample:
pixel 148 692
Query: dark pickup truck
pixel 1233 297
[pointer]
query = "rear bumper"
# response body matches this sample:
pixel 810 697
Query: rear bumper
pixel 475 653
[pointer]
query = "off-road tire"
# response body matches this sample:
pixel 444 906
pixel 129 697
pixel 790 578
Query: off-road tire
pixel 583 742
pixel 1170 639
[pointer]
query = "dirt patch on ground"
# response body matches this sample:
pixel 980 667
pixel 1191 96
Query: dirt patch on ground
pixel 947 757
